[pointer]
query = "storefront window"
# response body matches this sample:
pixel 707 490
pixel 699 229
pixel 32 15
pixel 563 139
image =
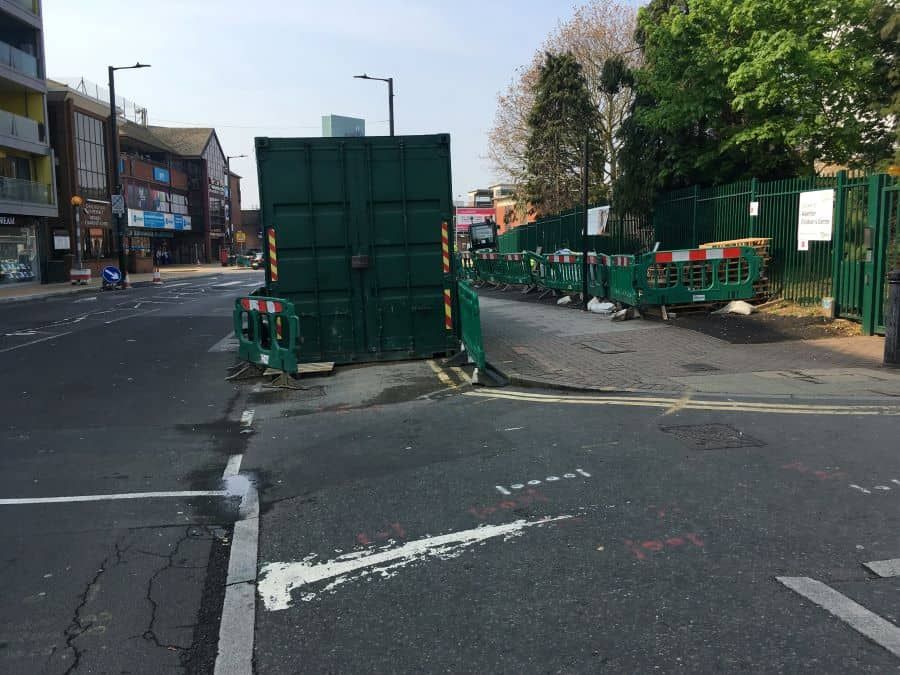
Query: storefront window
pixel 90 152
pixel 18 255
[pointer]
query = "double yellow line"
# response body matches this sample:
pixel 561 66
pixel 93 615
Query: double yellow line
pixel 686 403
pixel 445 379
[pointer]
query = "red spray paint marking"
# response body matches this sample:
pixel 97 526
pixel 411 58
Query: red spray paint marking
pixel 394 531
pixel 820 474
pixel 524 499
pixel 642 549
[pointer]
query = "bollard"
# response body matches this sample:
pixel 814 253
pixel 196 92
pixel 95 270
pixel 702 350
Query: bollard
pixel 892 321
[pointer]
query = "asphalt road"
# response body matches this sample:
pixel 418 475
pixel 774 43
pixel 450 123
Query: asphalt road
pixel 116 393
pixel 478 533
pixel 411 523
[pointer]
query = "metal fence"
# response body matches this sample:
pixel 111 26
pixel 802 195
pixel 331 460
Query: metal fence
pixel 850 268
pixel 624 234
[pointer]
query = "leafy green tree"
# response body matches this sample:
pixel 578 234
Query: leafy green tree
pixel 737 88
pixel 560 119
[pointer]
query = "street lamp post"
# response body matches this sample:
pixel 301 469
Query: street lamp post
pixel 228 159
pixel 76 202
pixel 117 187
pixel 390 84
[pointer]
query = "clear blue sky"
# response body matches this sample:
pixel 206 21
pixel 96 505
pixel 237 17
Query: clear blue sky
pixel 274 67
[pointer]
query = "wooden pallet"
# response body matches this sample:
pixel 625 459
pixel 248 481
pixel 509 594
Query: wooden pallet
pixel 321 367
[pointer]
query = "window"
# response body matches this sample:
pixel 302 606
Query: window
pixel 90 156
pixel 179 203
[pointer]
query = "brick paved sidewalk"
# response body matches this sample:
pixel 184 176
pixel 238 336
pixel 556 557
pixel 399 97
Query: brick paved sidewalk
pixel 541 344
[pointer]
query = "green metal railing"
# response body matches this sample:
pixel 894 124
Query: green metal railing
pixel 850 267
pixel 470 323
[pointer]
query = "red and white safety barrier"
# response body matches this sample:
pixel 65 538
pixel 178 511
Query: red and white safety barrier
pixel 513 256
pixel 602 258
pixel 562 258
pixel 622 260
pixel 697 254
pixel 489 256
pixel 268 306
pixel 79 276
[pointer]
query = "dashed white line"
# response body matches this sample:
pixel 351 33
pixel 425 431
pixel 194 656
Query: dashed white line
pixel 877 629
pixel 885 568
pixel 34 342
pixel 183 283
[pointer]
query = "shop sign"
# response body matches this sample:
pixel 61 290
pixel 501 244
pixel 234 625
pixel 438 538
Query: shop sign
pixel 160 175
pixel 8 220
pixel 96 214
pixel 154 220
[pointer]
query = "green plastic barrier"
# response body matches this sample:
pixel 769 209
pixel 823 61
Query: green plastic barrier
pixel 697 276
pixel 514 269
pixel 488 268
pixel 470 321
pixel 558 271
pixel 267 331
pixel 598 274
pixel 621 280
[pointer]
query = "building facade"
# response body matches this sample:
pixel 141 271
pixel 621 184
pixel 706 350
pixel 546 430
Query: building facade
pixel 27 175
pixel 251 226
pixel 80 137
pixel 339 126
pixel 233 213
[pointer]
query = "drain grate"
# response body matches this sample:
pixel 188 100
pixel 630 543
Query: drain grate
pixel 698 367
pixel 606 347
pixel 712 437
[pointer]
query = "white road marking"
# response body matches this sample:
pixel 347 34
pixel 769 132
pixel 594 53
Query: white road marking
pixel 859 618
pixel 227 283
pixel 185 494
pixel 34 342
pixel 885 568
pixel 130 316
pixel 233 467
pixel 278 579
pixel 229 343
pixel 90 299
pixel 514 429
pixel 235 654
pixel 183 283
pixel 502 490
pixel 247 421
pixel 860 488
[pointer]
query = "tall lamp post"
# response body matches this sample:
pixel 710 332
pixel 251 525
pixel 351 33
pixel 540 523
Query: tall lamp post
pixel 117 187
pixel 390 84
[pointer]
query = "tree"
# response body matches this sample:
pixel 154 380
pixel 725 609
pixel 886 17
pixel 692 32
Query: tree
pixel 737 88
pixel 561 117
pixel 598 31
pixel 886 24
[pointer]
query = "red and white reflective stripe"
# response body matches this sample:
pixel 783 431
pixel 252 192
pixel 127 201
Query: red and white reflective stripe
pixel 268 306
pixel 697 254
pixel 445 248
pixel 621 261
pixel 488 256
pixel 594 257
pixel 562 258
pixel 513 256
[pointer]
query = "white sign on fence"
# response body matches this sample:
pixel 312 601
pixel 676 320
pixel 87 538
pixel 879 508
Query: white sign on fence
pixel 816 217
pixel 598 217
pixel 754 208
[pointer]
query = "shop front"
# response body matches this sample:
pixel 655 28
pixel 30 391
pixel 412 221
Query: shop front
pixel 18 249
pixel 156 238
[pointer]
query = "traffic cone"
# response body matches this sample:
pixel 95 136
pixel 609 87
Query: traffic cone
pixel 157 278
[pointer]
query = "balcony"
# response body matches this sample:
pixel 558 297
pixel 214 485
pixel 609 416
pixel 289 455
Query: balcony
pixel 25 191
pixel 19 61
pixel 19 128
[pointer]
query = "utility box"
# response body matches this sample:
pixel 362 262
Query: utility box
pixel 353 232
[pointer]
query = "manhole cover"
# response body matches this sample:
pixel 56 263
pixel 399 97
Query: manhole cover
pixel 712 436
pixel 606 347
pixel 698 367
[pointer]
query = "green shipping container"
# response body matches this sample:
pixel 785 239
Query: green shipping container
pixel 357 225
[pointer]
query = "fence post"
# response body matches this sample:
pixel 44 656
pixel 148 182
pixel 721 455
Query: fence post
pixel 695 197
pixel 873 288
pixel 837 241
pixel 753 219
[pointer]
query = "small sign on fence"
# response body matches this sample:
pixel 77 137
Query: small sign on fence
pixel 754 208
pixel 816 217
pixel 598 217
